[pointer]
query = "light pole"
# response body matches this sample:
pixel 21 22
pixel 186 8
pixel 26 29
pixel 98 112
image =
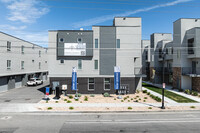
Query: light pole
pixel 163 102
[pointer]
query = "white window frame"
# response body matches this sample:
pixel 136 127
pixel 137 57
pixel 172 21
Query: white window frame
pixel 91 83
pixel 107 83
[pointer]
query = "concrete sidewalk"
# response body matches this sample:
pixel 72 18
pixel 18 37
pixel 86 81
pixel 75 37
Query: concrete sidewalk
pixel 169 88
pixel 160 96
pixel 34 107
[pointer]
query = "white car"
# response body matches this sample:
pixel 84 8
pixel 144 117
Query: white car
pixel 34 81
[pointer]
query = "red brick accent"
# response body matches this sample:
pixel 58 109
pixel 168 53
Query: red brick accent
pixel 196 84
pixel 176 76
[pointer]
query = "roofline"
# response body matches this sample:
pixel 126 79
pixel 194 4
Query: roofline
pixel 70 30
pixel 185 18
pixel 103 26
pixel 127 17
pixel 22 39
pixel 161 33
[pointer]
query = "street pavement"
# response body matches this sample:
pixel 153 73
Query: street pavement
pixel 24 94
pixel 146 122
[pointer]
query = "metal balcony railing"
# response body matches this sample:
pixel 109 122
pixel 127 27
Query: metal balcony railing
pixel 190 71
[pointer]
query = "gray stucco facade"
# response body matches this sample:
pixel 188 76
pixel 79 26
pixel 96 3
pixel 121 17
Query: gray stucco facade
pixel 20 60
pixel 106 47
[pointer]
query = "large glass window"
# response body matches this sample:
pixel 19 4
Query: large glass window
pixel 107 83
pixel 96 64
pixel 96 43
pixel 118 43
pixel 8 64
pixel 79 64
pixel 91 84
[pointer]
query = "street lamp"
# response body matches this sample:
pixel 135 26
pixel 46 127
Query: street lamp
pixel 163 102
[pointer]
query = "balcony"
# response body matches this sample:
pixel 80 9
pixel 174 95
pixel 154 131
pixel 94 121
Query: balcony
pixel 192 72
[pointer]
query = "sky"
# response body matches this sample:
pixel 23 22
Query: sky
pixel 30 20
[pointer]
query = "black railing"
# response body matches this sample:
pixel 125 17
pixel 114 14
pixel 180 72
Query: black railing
pixel 190 70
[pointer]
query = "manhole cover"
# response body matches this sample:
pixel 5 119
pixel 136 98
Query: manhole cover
pixel 7 100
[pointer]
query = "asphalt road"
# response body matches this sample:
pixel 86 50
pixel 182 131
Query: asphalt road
pixel 154 122
pixel 24 94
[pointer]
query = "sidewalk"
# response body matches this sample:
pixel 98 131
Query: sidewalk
pixel 160 96
pixel 169 88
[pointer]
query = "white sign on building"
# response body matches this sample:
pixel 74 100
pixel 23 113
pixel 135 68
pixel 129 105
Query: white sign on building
pixel 75 49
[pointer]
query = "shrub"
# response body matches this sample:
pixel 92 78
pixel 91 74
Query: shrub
pixel 148 93
pixel 199 95
pixel 180 90
pixel 128 100
pixel 122 100
pixel 86 98
pixel 78 95
pixel 76 99
pixel 49 108
pixel 136 101
pixel 194 93
pixel 187 91
pixel 130 108
pixel 65 99
pixel 70 96
pixel 92 95
pixel 137 91
pixel 80 101
pixel 56 101
pixel 125 98
pixel 106 94
pixel 150 108
pixel 139 98
pixel 114 98
pixel 135 98
pixel 131 98
pixel 144 100
pixel 144 91
pixel 192 107
pixel 71 108
pixel 47 101
pixel 69 101
pixel 158 99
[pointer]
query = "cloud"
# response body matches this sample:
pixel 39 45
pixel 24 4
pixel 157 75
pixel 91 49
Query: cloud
pixel 10 27
pixel 26 11
pixel 101 19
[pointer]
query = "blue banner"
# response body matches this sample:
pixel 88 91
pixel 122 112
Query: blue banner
pixel 117 78
pixel 74 79
pixel 47 90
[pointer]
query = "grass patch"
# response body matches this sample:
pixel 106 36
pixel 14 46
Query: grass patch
pixel 69 101
pixel 171 95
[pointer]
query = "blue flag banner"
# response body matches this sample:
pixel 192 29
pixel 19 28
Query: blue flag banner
pixel 47 90
pixel 74 79
pixel 117 78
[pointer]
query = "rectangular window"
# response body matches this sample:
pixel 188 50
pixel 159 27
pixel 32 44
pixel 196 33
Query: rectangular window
pixel 107 83
pixel 118 43
pixel 8 46
pixel 79 64
pixel 8 64
pixel 39 65
pixel 22 49
pixel 39 53
pixel 191 46
pixel 22 64
pixel 96 64
pixel 91 84
pixel 96 43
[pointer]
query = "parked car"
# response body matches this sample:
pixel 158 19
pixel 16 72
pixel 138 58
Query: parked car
pixel 34 81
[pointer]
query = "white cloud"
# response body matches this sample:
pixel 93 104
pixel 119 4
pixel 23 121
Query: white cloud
pixel 10 27
pixel 128 13
pixel 26 11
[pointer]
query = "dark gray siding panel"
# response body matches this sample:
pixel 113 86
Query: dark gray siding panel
pixel 99 85
pixel 107 56
pixel 71 37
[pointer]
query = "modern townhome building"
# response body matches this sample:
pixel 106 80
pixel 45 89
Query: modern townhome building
pixel 20 60
pixel 95 53
pixel 181 56
pixel 158 42
pixel 146 59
